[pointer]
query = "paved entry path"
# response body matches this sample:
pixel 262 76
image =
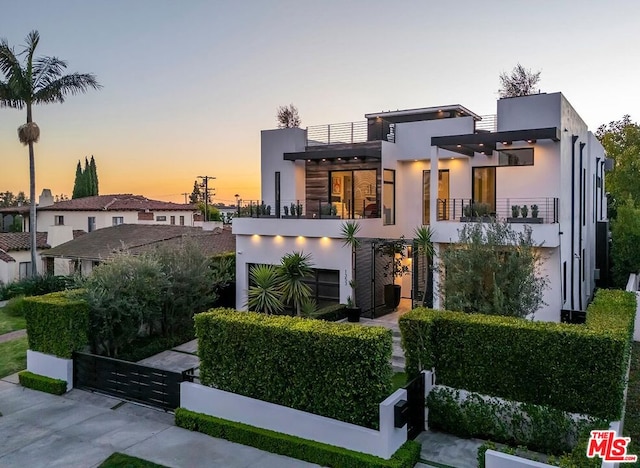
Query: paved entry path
pixel 81 429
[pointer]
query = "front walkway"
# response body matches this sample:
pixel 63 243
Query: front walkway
pixel 81 429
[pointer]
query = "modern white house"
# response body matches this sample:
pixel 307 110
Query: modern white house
pixel 435 166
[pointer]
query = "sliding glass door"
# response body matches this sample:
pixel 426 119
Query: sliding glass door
pixel 484 186
pixel 443 195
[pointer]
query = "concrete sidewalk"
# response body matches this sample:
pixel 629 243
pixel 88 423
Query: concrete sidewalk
pixel 81 429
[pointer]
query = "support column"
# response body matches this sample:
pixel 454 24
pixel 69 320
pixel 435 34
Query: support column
pixel 433 193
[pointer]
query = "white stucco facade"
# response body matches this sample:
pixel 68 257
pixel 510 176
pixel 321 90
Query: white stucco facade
pixel 564 179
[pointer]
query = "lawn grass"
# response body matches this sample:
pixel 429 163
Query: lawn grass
pixel 632 412
pixel 13 356
pixel 120 460
pixel 9 323
pixel 398 380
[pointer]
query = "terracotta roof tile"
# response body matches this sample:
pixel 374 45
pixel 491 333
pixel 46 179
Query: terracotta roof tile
pixel 137 238
pixel 20 241
pixel 117 202
pixel 5 257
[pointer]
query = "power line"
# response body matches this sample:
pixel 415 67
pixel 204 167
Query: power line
pixel 205 183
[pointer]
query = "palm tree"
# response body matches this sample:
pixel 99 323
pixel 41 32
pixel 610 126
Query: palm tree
pixel 422 240
pixel 265 294
pixel 349 231
pixel 293 269
pixel 36 81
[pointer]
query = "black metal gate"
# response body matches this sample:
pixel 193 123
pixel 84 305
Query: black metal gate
pixel 128 380
pixel 416 404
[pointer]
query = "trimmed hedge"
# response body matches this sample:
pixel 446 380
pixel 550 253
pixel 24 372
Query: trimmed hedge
pixel 42 383
pixel 57 323
pixel 540 428
pixel 331 313
pixel 308 450
pixel 337 370
pixel 575 368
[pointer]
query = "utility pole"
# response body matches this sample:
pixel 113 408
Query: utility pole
pixel 185 196
pixel 205 184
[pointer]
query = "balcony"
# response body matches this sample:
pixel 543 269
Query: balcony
pixel 348 133
pixel 512 210
pixel 308 209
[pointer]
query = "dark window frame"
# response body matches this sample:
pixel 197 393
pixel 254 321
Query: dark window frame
pixel 495 183
pixel 393 209
pixel 58 220
pixel 515 150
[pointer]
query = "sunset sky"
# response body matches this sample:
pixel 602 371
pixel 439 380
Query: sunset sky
pixel 188 85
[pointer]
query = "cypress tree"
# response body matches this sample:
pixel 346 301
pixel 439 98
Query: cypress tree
pixel 77 185
pixel 87 179
pixel 94 176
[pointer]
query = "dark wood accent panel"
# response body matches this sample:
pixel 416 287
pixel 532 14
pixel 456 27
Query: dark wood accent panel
pixel 317 179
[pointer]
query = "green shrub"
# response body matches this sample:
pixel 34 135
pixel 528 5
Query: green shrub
pixel 540 428
pixel 331 313
pixel 275 442
pixel 42 383
pixel 36 286
pixel 121 460
pixel 341 371
pixel 15 307
pixel 576 368
pixel 57 323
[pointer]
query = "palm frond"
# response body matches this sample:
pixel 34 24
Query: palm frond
pixel 349 231
pixel 293 270
pixel 422 238
pixel 47 68
pixel 15 88
pixel 58 89
pixel 265 295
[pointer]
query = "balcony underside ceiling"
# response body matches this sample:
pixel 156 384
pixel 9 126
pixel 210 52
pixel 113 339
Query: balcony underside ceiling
pixel 472 143
pixel 370 150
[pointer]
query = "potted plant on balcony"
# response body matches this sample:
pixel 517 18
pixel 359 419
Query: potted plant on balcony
pixel 395 268
pixel 525 211
pixel 476 212
pixel 349 231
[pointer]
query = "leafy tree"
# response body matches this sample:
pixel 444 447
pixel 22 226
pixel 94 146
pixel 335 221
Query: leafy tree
pixel 493 270
pixel 288 117
pixel 8 199
pixel 625 238
pixel 621 141
pixel 214 213
pixel 265 295
pixel 78 189
pixel 36 81
pixel 293 269
pixel 196 195
pixel 520 82
pixel 123 294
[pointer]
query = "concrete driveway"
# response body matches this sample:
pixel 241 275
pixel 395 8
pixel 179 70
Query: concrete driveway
pixel 81 429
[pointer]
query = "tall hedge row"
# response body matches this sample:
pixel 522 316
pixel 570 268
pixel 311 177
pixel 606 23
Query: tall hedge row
pixel 341 371
pixel 576 368
pixel 57 323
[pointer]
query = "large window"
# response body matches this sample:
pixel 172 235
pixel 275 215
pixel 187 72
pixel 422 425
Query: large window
pixel 443 195
pixel 484 186
pixel 354 193
pixel 516 157
pixel 389 197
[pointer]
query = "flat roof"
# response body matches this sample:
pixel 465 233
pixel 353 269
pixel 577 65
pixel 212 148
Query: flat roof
pixel 424 110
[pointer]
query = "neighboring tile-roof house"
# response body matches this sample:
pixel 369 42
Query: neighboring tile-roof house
pixel 137 238
pixel 117 202
pixel 13 241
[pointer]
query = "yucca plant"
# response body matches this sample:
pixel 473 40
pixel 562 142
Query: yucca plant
pixel 38 80
pixel 349 231
pixel 292 271
pixel 265 294
pixel 424 244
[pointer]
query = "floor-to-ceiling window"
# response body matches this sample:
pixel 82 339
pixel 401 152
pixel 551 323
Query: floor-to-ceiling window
pixel 389 197
pixel 443 195
pixel 354 193
pixel 484 186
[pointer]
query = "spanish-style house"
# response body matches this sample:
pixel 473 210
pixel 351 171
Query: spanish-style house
pixel 436 166
pixel 15 254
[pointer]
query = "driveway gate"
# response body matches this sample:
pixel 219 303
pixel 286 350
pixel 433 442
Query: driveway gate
pixel 128 380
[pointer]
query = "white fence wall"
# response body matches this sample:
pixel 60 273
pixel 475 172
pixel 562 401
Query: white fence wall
pixel 50 366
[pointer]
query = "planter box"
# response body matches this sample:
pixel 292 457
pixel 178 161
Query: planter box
pixel 50 366
pixel 525 220
pixel 477 219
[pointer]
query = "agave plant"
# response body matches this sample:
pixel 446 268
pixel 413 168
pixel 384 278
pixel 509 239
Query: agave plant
pixel 293 269
pixel 265 294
